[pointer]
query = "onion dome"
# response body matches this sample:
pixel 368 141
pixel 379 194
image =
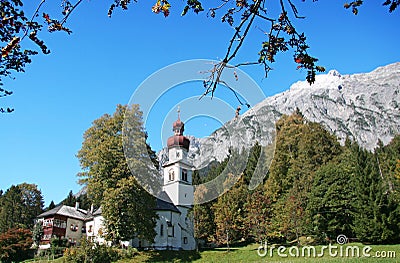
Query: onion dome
pixel 178 140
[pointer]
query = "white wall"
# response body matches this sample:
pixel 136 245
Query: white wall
pixel 97 229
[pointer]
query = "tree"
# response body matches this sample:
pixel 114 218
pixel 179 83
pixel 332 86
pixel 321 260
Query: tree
pixel 127 207
pixel 37 233
pixel 51 205
pixel 32 201
pixel 70 200
pixel 331 200
pixel 15 245
pixel 258 208
pixel 128 211
pixel 230 213
pixel 301 148
pixel 242 15
pixel 376 217
pixel 19 206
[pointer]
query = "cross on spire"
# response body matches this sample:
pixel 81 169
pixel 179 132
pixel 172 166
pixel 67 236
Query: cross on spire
pixel 179 112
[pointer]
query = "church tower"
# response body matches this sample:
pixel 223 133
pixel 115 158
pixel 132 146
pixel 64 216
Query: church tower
pixel 178 186
pixel 178 170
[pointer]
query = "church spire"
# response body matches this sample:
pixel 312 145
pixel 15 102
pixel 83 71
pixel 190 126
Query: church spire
pixel 178 128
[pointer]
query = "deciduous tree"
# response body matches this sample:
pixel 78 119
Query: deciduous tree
pixel 19 206
pixel 126 206
pixel 15 244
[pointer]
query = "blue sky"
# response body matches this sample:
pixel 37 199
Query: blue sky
pixel 104 60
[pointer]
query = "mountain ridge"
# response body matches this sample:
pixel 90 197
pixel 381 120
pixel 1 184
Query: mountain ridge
pixel 364 107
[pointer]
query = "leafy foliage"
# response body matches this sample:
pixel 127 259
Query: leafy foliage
pixel 19 206
pixel 127 208
pixel 128 211
pixel 37 233
pixel 331 204
pixel 230 214
pixel 91 252
pixel 15 245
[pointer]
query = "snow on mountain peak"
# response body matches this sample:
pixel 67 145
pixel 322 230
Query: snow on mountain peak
pixel 364 107
pixel 334 73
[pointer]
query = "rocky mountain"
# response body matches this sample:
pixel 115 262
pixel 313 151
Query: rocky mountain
pixel 364 107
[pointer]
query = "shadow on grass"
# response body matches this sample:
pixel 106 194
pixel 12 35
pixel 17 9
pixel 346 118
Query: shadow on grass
pixel 173 256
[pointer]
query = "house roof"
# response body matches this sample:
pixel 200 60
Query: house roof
pixel 164 203
pixel 97 212
pixel 66 211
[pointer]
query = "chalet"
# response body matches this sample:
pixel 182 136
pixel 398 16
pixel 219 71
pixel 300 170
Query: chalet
pixel 64 222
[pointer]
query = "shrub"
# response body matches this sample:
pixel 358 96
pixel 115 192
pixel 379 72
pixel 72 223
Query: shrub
pixel 91 252
pixel 128 253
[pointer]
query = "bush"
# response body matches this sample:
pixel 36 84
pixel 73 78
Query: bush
pixel 128 253
pixel 91 252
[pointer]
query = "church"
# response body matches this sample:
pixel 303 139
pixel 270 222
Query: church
pixel 174 228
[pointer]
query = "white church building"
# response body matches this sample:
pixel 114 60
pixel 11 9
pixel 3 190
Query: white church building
pixel 174 228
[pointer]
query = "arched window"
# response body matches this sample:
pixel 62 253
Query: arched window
pixel 171 175
pixel 184 175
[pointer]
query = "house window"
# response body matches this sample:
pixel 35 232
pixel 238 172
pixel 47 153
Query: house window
pixel 48 222
pixel 185 240
pixel 171 175
pixel 90 229
pixel 74 227
pixel 60 223
pixel 161 230
pixel 184 174
pixel 83 230
pixel 171 231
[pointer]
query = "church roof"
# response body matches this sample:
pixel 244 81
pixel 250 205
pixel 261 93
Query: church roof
pixel 165 203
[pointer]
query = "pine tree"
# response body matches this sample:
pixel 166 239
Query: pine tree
pixel 51 205
pixel 331 198
pixel 376 217
pixel 70 200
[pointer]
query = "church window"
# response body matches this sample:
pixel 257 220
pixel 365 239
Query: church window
pixel 171 231
pixel 184 175
pixel 162 230
pixel 185 240
pixel 171 175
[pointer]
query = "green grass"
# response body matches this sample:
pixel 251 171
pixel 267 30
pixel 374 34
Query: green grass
pixel 249 254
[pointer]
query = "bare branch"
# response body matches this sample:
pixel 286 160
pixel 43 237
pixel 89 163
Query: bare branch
pixel 70 11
